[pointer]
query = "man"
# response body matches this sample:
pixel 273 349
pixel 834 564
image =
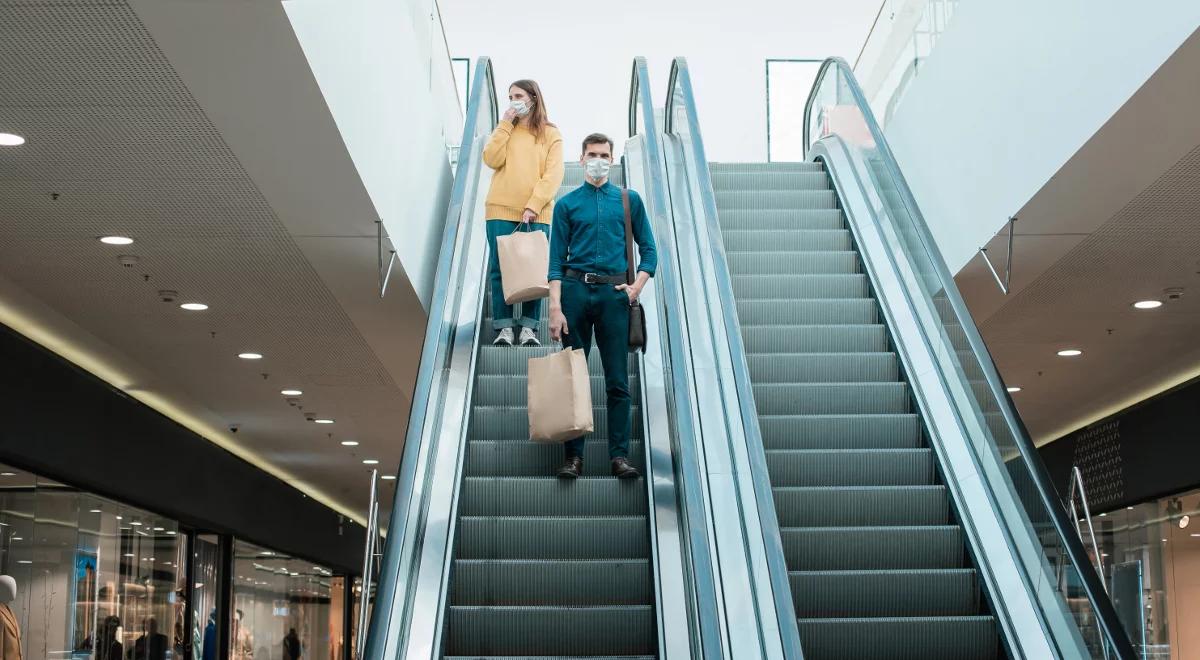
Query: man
pixel 588 290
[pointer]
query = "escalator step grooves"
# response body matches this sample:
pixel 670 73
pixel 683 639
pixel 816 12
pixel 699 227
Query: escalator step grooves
pixel 546 568
pixel 877 566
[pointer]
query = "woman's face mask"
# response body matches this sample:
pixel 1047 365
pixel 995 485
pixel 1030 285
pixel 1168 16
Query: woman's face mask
pixel 597 168
pixel 522 108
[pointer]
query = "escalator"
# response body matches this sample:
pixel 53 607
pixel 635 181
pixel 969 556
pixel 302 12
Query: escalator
pixel 897 504
pixel 488 554
pixel 874 559
pixel 545 566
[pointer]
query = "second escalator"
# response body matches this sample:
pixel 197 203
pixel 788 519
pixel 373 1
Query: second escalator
pixel 876 561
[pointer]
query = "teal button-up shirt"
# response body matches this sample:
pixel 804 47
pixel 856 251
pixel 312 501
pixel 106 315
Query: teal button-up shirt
pixel 588 232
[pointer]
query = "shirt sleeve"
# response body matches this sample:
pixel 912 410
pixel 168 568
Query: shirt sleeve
pixel 560 238
pixel 547 186
pixel 495 150
pixel 643 235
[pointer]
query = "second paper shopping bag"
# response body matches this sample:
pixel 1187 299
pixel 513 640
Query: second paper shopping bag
pixel 560 397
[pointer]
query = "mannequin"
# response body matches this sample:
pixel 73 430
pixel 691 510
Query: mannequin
pixel 10 630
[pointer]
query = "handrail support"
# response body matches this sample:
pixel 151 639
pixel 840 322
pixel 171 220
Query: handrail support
pixel 385 272
pixel 1005 283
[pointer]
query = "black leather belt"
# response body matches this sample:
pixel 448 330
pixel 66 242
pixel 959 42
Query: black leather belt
pixel 594 278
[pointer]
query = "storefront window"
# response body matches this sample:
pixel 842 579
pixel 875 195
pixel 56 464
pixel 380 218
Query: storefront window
pixel 94 579
pixel 284 608
pixel 1151 564
pixel 206 573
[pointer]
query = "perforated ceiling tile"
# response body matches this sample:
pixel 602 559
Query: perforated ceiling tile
pixel 115 135
pixel 1084 300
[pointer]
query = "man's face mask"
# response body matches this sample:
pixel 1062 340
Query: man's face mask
pixel 597 168
pixel 521 107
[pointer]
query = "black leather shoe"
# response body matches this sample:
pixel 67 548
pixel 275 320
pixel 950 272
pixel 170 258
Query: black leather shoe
pixel 571 468
pixel 621 469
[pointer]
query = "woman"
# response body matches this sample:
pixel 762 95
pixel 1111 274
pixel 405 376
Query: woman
pixel 525 150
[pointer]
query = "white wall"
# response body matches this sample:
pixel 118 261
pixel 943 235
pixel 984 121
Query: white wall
pixel 385 72
pixel 582 53
pixel 1012 90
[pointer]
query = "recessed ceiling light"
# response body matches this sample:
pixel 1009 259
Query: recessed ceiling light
pixel 116 240
pixel 18 538
pixel 24 561
pixel 388 477
pixel 136 524
pixel 96 511
pixel 120 518
pixel 349 443
pixel 172 533
pixel 250 356
pixel 194 307
pixel 1147 304
pixel 158 529
pixel 11 140
pixel 1103 514
pixel 1183 521
pixel 291 392
pixel 1014 389
pixel 8 474
pixel 370 461
pixel 1070 352
pixel 323 420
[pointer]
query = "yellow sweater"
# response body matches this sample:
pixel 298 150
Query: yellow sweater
pixel 528 174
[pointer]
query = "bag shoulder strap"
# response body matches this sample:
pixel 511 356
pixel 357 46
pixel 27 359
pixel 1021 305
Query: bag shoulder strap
pixel 628 237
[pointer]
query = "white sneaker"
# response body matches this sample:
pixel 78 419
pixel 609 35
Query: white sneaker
pixel 504 338
pixel 529 337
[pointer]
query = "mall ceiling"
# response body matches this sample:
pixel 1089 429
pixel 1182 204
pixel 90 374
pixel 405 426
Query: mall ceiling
pixel 1118 224
pixel 234 184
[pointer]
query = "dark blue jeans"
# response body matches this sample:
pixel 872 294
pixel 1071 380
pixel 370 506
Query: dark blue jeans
pixel 502 313
pixel 602 311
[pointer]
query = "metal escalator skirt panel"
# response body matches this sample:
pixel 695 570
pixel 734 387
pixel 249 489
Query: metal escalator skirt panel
pixel 451 325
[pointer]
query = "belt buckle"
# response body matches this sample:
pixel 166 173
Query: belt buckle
pixel 589 278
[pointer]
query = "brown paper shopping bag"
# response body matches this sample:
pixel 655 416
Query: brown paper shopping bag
pixel 560 397
pixel 524 262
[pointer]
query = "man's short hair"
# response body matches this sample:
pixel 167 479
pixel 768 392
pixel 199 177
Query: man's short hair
pixel 597 138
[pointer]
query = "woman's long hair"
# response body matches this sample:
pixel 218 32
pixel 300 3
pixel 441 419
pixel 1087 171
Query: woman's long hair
pixel 536 120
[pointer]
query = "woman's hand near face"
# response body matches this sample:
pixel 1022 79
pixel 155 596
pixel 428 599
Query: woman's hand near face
pixel 510 115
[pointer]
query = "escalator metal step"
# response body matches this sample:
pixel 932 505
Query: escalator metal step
pixel 867 548
pixel 793 263
pixel 553 582
pixel 500 458
pixel 831 398
pixel 767 167
pixel 909 593
pixel 815 339
pixel 549 496
pixel 850 311
pixel 901 638
pixel 776 199
pixel 768 368
pixel 799 287
pixel 553 537
pixel 861 506
pixel 513 390
pixel 783 219
pixel 514 361
pixel 769 240
pixel 589 631
pixel 850 467
pixel 840 431
pixel 769 182
pixel 488 422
